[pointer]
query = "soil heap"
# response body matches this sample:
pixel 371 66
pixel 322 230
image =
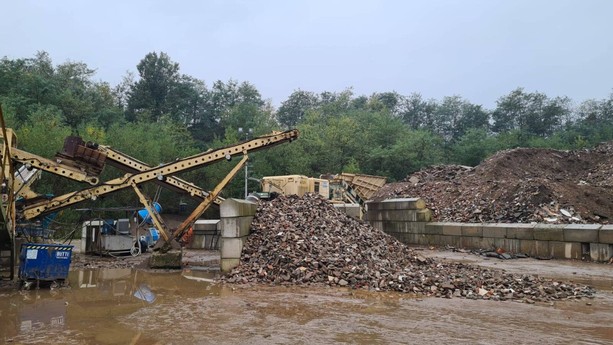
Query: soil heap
pixel 518 186
pixel 305 240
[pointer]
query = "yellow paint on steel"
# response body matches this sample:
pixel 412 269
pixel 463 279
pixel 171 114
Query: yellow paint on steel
pixel 133 165
pixel 157 221
pixel 52 166
pixel 199 210
pixel 182 165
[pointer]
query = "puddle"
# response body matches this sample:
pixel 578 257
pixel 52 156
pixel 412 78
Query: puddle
pixel 87 311
pixel 130 306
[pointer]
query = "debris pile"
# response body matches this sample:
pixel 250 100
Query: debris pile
pixel 518 186
pixel 305 240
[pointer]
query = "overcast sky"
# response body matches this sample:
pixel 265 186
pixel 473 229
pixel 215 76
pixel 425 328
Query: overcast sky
pixel 480 50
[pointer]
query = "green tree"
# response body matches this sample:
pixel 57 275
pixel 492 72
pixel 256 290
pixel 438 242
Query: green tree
pixel 530 113
pixel 159 75
pixel 416 112
pixel 474 146
pixel 292 111
pixel 388 101
pixel 455 115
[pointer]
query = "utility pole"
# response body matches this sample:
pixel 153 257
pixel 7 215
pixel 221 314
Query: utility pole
pixel 245 134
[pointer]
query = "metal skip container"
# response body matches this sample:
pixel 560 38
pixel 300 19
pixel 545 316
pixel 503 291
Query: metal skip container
pixel 44 262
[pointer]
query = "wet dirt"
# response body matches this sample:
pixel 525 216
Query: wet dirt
pixel 135 306
pixel 598 275
pixel 521 185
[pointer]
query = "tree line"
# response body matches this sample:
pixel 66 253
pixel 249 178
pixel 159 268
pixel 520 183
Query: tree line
pixel 159 114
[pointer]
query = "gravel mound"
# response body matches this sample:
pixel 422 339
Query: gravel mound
pixel 305 240
pixel 518 186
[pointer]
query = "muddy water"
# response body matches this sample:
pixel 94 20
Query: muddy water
pixel 126 306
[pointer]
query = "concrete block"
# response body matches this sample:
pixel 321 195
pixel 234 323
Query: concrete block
pixel 404 227
pixel 605 234
pixel 372 214
pixel 371 206
pixel 402 215
pixel 509 245
pixel 231 248
pixel 601 252
pixel 432 240
pixel 520 231
pixel 541 248
pixel 549 232
pixel 470 242
pixel 206 224
pixel 416 227
pixel 115 273
pixel 487 243
pixel 409 238
pixel 397 204
pixel 205 239
pixel 227 265
pixel 377 224
pixel 424 215
pixel 197 241
pixel 236 226
pixel 498 230
pixel 237 208
pixel 453 229
pixel 455 241
pixel 352 210
pixel 422 239
pixel 527 247
pixel 573 250
pixel 434 228
pixel 581 233
pixel 392 227
pixel 170 259
pixel 565 250
pixel 472 229
pixel 397 235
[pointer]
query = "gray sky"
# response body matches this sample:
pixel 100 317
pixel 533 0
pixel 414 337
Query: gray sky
pixel 480 50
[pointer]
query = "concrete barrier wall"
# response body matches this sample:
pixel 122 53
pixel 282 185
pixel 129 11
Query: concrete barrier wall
pixel 206 234
pixel 352 210
pixel 236 216
pixel 409 221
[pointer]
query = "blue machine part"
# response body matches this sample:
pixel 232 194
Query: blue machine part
pixel 108 227
pixel 152 237
pixel 46 262
pixel 48 219
pixel 155 234
pixel 144 293
pixel 144 214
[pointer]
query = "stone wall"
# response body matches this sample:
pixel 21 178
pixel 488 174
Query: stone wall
pixel 409 221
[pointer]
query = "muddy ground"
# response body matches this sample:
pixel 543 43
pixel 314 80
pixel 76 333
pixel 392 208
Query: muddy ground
pixel 100 308
pixel 569 270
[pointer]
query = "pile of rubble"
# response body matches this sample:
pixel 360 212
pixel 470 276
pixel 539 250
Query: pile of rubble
pixel 518 186
pixel 305 240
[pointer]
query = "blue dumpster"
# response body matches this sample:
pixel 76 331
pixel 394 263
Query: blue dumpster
pixel 46 262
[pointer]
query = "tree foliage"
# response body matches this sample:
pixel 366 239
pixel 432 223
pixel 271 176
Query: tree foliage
pixel 158 114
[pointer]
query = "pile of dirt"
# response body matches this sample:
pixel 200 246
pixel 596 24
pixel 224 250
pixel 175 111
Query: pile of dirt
pixel 305 240
pixel 518 186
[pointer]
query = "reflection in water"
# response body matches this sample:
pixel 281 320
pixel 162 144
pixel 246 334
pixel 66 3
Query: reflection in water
pixel 38 314
pixel 125 306
pixel 144 293
pixel 91 305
